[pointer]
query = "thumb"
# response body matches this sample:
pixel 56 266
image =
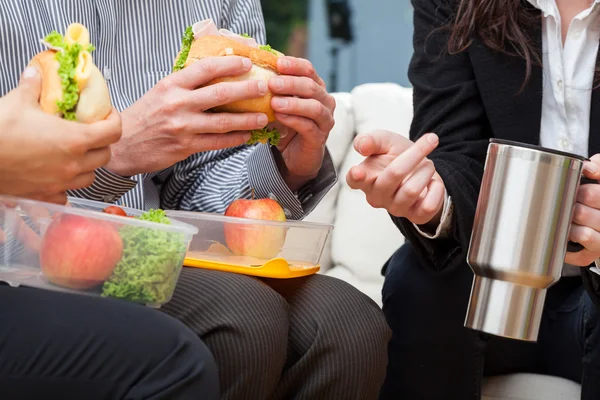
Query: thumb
pixel 30 85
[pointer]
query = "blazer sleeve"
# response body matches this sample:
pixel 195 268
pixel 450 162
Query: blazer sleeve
pixel 447 102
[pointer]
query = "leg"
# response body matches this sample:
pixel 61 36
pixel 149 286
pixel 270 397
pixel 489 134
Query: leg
pixel 64 346
pixel 242 321
pixel 570 342
pixel 431 354
pixel 590 383
pixel 337 342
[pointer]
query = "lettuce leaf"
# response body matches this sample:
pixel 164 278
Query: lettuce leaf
pixel 67 60
pixel 186 45
pixel 151 262
pixel 265 135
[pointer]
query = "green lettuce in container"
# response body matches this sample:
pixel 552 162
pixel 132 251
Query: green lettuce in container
pixel 151 262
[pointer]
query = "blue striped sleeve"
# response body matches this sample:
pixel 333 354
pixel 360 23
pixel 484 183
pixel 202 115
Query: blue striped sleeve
pixel 245 16
pixel 264 177
pixel 107 187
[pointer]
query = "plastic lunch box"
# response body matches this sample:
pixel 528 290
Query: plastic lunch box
pixel 269 249
pixel 79 249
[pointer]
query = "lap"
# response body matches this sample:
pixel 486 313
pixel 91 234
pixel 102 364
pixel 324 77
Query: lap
pixel 443 296
pixel 51 341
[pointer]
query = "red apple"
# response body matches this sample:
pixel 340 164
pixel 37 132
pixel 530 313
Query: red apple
pixel 262 241
pixel 79 252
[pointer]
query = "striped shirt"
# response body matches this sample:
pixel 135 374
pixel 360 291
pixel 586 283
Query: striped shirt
pixel 136 42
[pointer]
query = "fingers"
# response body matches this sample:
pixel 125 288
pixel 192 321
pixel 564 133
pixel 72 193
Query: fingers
pixel 298 67
pixel 358 179
pixel 226 92
pixel 305 127
pixel 205 70
pixel 589 195
pixel 586 236
pixel 424 210
pixel 403 193
pixel 301 86
pixel 99 134
pixel 586 216
pixel 225 122
pixel 218 141
pixel 306 108
pixel 591 169
pixel 30 85
pixel 403 165
pixel 81 181
pixel 381 142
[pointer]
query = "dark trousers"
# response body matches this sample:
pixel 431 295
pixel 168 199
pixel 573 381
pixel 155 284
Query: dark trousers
pixel 64 346
pixel 313 338
pixel 433 356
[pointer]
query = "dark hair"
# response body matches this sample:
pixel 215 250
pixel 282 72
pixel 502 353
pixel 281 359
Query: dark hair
pixel 500 24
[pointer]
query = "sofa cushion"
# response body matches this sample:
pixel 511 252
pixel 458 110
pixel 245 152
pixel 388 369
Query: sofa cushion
pixel 529 387
pixel 340 139
pixel 382 106
pixel 364 238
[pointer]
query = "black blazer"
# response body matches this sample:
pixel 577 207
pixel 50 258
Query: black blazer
pixel 467 99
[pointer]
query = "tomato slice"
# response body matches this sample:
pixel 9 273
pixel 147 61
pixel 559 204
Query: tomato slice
pixel 115 211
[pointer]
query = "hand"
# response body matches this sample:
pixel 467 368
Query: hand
pixel 168 124
pixel 42 156
pixel 397 176
pixel 585 228
pixel 305 109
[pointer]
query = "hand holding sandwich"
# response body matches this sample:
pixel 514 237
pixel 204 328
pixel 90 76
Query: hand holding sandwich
pixel 297 106
pixel 170 122
pixel 302 104
pixel 42 156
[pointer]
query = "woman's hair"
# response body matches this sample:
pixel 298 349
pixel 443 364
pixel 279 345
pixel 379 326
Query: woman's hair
pixel 500 24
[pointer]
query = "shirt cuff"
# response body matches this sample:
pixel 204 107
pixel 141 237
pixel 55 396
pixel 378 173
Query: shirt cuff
pixel 266 180
pixel 107 187
pixel 445 221
pixel 596 268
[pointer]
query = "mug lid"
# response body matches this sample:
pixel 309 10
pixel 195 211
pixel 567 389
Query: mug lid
pixel 538 148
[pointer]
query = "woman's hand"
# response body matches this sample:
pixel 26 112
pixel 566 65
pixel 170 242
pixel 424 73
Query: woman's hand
pixel 585 228
pixel 42 156
pixel 305 110
pixel 397 176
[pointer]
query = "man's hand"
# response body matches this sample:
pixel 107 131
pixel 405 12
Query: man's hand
pixel 169 123
pixel 397 176
pixel 42 156
pixel 585 228
pixel 305 109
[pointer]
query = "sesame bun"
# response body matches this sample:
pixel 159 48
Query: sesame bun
pixel 264 67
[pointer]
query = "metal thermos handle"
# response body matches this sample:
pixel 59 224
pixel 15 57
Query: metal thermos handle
pixel 573 247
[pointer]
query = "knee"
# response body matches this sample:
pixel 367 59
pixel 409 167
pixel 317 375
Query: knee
pixel 196 365
pixel 402 275
pixel 353 327
pixel 182 366
pixel 409 285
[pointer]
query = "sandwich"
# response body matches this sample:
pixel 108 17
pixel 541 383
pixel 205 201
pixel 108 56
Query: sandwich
pixel 72 86
pixel 205 40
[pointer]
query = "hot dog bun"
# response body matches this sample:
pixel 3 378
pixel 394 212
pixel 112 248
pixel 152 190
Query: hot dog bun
pixel 93 103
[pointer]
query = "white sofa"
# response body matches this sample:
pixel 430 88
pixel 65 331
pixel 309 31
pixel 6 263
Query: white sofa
pixel 364 238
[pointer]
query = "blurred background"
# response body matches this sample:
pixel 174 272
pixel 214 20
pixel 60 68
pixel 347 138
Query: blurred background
pixel 350 42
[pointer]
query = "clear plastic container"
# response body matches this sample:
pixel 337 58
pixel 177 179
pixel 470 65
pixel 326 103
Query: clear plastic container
pixel 80 249
pixel 262 248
